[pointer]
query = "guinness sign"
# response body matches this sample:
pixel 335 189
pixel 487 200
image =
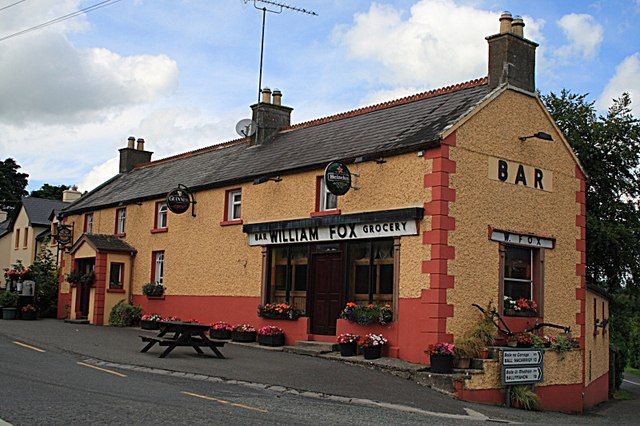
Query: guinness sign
pixel 179 200
pixel 337 178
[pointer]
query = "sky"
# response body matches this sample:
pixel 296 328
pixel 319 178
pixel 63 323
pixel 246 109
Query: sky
pixel 182 73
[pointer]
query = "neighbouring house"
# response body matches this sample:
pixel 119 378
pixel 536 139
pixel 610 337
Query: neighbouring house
pixel 460 195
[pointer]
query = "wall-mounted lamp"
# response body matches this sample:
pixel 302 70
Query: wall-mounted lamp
pixel 263 179
pixel 540 135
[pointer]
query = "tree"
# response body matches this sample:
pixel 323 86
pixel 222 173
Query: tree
pixel 13 184
pixel 52 192
pixel 45 274
pixel 608 147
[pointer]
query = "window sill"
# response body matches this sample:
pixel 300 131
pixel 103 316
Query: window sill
pixel 231 222
pixel 116 290
pixel 120 235
pixel 159 230
pixel 155 297
pixel 512 313
pixel 332 212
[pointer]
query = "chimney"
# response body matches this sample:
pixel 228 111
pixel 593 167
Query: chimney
pixel 71 195
pixel 512 58
pixel 3 215
pixel 131 157
pixel 270 117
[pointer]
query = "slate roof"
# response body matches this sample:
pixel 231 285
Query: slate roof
pixel 100 242
pixel 408 124
pixel 39 209
pixel 5 227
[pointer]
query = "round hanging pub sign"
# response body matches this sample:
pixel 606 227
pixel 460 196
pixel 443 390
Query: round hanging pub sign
pixel 64 235
pixel 178 200
pixel 337 178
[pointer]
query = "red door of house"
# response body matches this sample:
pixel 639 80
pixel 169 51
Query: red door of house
pixel 327 292
pixel 82 311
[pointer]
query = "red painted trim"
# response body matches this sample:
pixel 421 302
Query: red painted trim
pixel 332 212
pixel 597 391
pixel 100 288
pixel 231 222
pixel 318 188
pixel 581 267
pixel 159 230
pixel 225 216
pixel 116 290
pixel 436 310
pixel 155 297
pixel 156 209
pixel 120 235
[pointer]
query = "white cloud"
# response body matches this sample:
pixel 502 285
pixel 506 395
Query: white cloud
pixel 626 79
pixel 583 33
pixel 44 78
pixel 99 174
pixel 439 42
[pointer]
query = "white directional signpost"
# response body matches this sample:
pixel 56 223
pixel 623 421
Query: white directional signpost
pixel 521 367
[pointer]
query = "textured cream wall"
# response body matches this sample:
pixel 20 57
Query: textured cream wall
pixel 24 253
pixel 5 251
pixel 597 345
pixel 204 258
pixel 111 299
pixel 482 202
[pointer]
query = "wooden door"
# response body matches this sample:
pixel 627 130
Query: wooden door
pixel 327 292
pixel 84 266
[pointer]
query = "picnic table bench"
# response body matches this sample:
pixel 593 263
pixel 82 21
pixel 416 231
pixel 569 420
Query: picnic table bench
pixel 184 334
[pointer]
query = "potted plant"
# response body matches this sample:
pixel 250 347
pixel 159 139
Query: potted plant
pixel 372 345
pixel 348 344
pixel 28 312
pixel 282 311
pixel 243 333
pixel 271 335
pixel 524 340
pixel 221 331
pixel 153 290
pixel 465 349
pixel 485 331
pixel 367 314
pixel 524 397
pixel 150 322
pixel 8 301
pixel 441 357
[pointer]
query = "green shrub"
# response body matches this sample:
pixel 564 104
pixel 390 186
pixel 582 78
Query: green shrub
pixel 125 315
pixel 8 299
pixel 525 397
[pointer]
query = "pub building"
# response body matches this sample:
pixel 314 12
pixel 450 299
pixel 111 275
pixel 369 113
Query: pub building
pixel 460 195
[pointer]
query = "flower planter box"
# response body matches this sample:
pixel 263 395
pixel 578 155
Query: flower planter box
pixel 243 336
pixel 372 352
pixel 28 316
pixel 348 349
pixel 9 313
pixel 441 364
pixel 220 334
pixel 514 313
pixel 149 325
pixel 271 339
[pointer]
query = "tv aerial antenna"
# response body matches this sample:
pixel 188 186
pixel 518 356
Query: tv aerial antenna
pixel 271 6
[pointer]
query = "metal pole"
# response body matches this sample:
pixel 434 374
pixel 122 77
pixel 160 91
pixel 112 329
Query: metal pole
pixel 264 17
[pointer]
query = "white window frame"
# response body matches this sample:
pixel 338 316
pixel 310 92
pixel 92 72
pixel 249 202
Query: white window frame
pixel 159 267
pixel 232 203
pixel 122 221
pixel 120 282
pixel 325 196
pixel 520 280
pixel 89 226
pixel 161 216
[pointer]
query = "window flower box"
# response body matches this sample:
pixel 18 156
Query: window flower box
pixel 271 335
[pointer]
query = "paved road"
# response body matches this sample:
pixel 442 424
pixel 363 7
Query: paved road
pixel 51 387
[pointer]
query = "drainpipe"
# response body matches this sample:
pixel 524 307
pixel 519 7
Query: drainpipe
pixel 129 291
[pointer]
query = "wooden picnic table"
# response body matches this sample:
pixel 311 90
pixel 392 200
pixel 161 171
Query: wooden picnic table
pixel 184 334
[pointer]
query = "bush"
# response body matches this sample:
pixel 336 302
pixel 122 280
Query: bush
pixel 125 315
pixel 8 299
pixel 45 274
pixel 525 397
pixel 153 289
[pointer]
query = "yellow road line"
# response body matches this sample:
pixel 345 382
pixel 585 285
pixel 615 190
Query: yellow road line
pixel 24 345
pixel 115 373
pixel 222 401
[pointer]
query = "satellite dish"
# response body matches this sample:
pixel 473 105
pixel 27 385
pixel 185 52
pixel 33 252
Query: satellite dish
pixel 246 127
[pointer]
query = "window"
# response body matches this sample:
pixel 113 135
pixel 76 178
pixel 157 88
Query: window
pixel 371 271
pixel 234 205
pixel 121 220
pixel 521 279
pixel 327 200
pixel 289 266
pixel 88 223
pixel 25 238
pixel 161 215
pixel 116 275
pixel 157 267
pixel 17 242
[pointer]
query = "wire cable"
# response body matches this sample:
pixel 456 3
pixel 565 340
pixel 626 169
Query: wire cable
pixel 11 5
pixel 87 9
